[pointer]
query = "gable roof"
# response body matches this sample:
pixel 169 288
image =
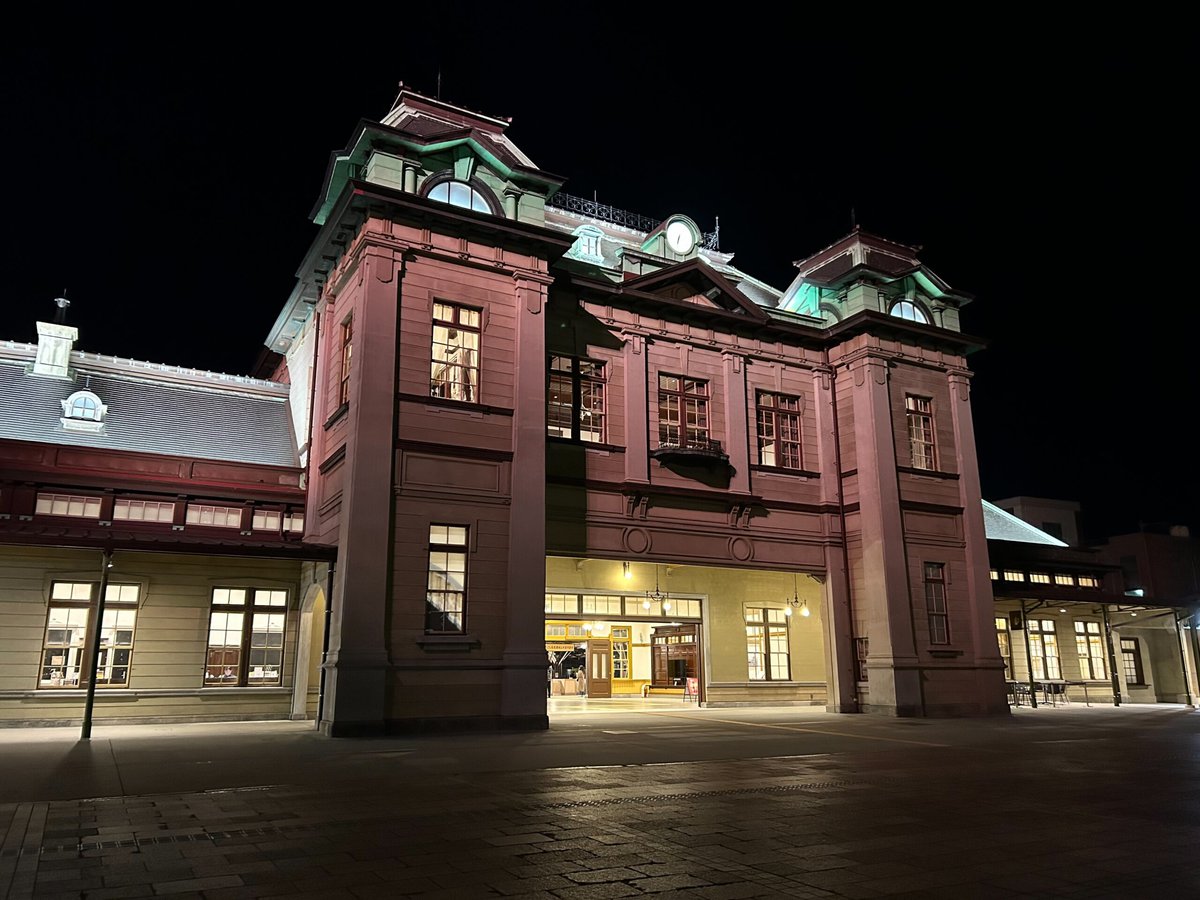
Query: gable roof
pixel 153 415
pixel 703 278
pixel 1002 526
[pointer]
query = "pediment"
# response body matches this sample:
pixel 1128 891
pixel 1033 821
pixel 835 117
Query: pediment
pixel 697 284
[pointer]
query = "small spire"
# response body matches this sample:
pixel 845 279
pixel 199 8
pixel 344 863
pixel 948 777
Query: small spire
pixel 60 317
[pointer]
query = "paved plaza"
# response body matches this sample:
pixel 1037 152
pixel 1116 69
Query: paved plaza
pixel 617 799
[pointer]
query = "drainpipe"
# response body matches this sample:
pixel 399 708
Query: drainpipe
pixel 1112 657
pixel 94 665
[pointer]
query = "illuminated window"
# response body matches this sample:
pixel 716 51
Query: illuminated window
pixel 1087 581
pixel 995 575
pixel 906 309
pixel 620 653
pixel 73 505
pixel 1039 577
pixel 454 369
pixel 575 399
pixel 66 660
pixel 767 653
pixel 1013 575
pixel 267 520
pixel 1005 645
pixel 214 516
pixel 293 522
pixel 935 603
pixel 778 418
pixel 919 411
pixel 459 193
pixel 602 604
pixel 245 637
pixel 562 603
pixel 587 244
pixel 1067 580
pixel 1089 644
pixel 1131 661
pixel 1043 647
pixel 347 354
pixel 682 412
pixel 446 589
pixel 144 510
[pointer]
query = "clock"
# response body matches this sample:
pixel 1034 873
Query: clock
pixel 680 238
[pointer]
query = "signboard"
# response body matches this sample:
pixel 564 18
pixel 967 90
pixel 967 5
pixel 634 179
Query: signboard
pixel 691 687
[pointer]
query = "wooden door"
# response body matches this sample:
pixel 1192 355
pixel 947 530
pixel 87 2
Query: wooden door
pixel 599 669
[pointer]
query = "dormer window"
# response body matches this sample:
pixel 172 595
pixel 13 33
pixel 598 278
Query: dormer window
pixel 587 244
pixel 907 309
pixel 459 193
pixel 83 411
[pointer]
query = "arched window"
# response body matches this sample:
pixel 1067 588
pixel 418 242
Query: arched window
pixel 907 309
pixel 459 193
pixel 84 405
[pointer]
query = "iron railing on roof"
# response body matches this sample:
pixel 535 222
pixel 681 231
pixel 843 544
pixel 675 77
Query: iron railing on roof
pixel 593 209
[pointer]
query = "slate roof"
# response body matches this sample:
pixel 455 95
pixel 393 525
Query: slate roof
pixel 150 416
pixel 1002 526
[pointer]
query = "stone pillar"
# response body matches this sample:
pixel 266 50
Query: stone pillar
pixel 637 410
pixel 737 421
pixel 512 203
pixel 989 666
pixel 523 683
pixel 894 674
pixel 356 667
pixel 838 618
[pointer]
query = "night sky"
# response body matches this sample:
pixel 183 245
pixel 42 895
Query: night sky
pixel 165 183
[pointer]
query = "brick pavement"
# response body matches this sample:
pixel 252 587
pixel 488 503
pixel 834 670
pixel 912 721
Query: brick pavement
pixel 1094 815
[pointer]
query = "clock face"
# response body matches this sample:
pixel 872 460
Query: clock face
pixel 679 237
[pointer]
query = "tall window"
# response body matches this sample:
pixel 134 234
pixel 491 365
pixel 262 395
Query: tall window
pixel 620 652
pixel 454 370
pixel 1005 645
pixel 1089 644
pixel 67 646
pixel 920 431
pixel 446 590
pixel 346 356
pixel 575 399
pixel 935 603
pixel 245 637
pixel 779 431
pixel 1131 661
pixel 682 411
pixel 767 645
pixel 1043 647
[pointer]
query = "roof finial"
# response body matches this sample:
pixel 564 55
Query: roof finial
pixel 62 303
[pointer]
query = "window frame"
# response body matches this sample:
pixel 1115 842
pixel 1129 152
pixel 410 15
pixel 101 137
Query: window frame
pixel 1005 645
pixel 1037 631
pixel 89 501
pixel 922 432
pixel 1089 648
pixel 447 547
pixel 577 380
pixel 682 396
pixel 249 608
pixel 345 360
pixel 469 386
pixel 936 608
pixel 774 413
pixel 113 606
pixel 762 643
pixel 905 304
pixel 1133 654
